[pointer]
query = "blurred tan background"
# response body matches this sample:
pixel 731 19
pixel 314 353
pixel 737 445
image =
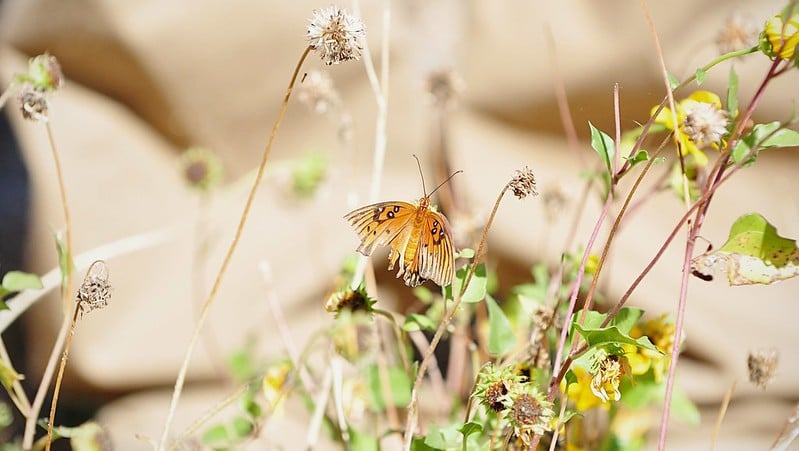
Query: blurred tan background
pixel 145 80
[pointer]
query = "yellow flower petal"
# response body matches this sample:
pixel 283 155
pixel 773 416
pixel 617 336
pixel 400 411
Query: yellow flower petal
pixel 782 37
pixel 705 97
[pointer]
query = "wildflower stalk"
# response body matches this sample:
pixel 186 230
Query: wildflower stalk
pixel 722 411
pixel 228 256
pixel 66 290
pixel 60 376
pixel 413 414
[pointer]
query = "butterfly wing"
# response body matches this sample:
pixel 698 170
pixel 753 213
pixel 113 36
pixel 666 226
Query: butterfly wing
pixel 379 224
pixel 435 255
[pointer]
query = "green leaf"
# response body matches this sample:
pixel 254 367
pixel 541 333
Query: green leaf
pixel 444 438
pixel 465 253
pixel 418 444
pixel 8 376
pixel 476 290
pixel 501 339
pixel 647 393
pixel 216 434
pixel 64 259
pixel 701 76
pixel 241 427
pixel 18 281
pixel 415 321
pixel 763 136
pixel 753 254
pixel 470 428
pixel 399 386
pixel 603 145
pixel 732 93
pixel 423 294
pixel 88 436
pixel 612 335
pixel 673 81
pixel 360 441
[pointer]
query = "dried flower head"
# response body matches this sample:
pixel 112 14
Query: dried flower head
pixel 317 92
pixel 762 364
pixel 705 123
pixel 607 377
pixel 523 183
pixel 336 35
pixel 494 385
pixel 738 33
pixel 350 300
pixel 202 169
pixel 32 103
pixel 530 413
pixel 95 291
pixel 445 86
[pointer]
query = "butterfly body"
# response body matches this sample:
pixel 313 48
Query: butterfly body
pixel 419 238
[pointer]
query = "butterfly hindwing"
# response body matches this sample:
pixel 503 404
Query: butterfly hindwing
pixel 435 252
pixel 378 224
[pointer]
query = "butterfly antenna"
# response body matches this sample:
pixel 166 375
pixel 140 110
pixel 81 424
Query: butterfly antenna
pixel 445 181
pixel 418 163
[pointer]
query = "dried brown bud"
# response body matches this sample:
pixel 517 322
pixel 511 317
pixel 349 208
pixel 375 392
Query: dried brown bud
pixel 762 365
pixel 95 291
pixel 523 183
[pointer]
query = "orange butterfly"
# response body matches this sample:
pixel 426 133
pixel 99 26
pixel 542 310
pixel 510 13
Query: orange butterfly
pixel 420 238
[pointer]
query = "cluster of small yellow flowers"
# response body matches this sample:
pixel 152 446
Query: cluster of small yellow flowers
pixel 336 35
pixel 661 333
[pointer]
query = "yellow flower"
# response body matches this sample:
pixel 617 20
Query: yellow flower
pixel 581 393
pixel 700 121
pixel 274 382
pixel 607 377
pixel 661 334
pixel 630 425
pixel 780 37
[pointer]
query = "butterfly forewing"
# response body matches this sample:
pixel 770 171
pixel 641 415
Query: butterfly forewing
pixel 378 224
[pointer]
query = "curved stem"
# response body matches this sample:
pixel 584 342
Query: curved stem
pixel 229 255
pixel 60 376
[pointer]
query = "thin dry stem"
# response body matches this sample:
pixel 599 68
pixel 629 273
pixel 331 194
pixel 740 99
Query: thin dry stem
pixel 722 412
pixel 208 415
pixel 319 412
pixel 413 414
pixel 44 385
pixel 229 255
pixel 59 378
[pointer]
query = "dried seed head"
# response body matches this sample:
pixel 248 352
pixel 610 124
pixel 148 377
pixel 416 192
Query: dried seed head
pixel 530 414
pixel 95 291
pixel 762 364
pixel 523 183
pixel 738 33
pixel 704 123
pixel 445 86
pixel 350 300
pixel 336 35
pixel 495 396
pixel 33 104
pixel 202 169
pixel 317 92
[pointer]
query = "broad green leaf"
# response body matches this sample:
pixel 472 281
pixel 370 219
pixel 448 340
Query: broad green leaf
pixel 501 339
pixel 418 444
pixel 415 321
pixel 763 136
pixel 18 281
pixel 470 428
pixel 701 75
pixel 241 427
pixel 444 438
pixel 399 387
pixel 603 145
pixel 476 290
pixel 361 441
pixel 216 434
pixel 754 253
pixel 732 93
pixel 612 335
pixel 625 319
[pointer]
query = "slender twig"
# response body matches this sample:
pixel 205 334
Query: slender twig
pixel 60 376
pixel 215 410
pixel 380 90
pixel 788 432
pixel 320 403
pixel 336 365
pixel 229 255
pixel 66 290
pixel 412 417
pixel 722 412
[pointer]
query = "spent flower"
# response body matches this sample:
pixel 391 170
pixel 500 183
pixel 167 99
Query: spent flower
pixel 494 386
pixel 95 291
pixel 762 365
pixel 738 33
pixel 336 35
pixel 607 377
pixel 523 183
pixel 530 413
pixel 33 103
